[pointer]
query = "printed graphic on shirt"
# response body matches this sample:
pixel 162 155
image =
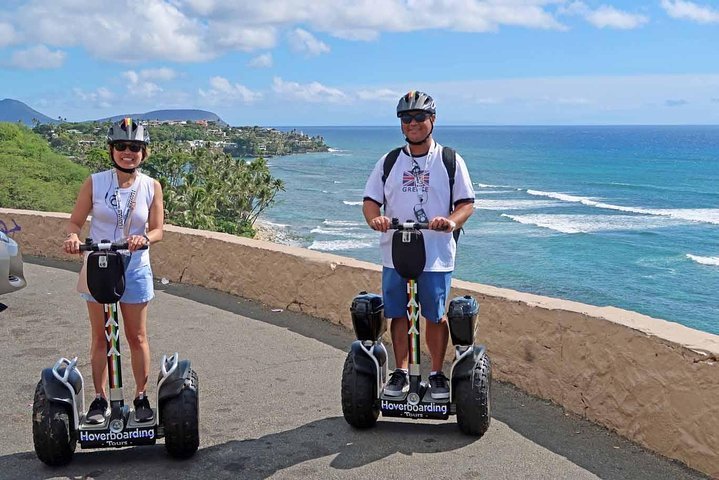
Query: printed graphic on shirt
pixel 415 180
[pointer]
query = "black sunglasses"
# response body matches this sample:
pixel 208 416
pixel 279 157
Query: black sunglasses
pixel 418 117
pixel 121 147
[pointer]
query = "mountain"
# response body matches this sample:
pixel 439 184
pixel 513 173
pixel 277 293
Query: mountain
pixel 178 114
pixel 14 111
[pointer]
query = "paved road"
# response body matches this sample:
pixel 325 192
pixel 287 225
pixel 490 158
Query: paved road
pixel 270 403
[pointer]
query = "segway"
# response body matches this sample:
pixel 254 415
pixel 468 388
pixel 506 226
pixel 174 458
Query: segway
pixel 365 369
pixel 58 410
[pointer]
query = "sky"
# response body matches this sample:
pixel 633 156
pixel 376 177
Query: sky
pixel 338 62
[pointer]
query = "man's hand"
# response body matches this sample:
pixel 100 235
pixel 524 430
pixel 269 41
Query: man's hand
pixel 380 223
pixel 442 224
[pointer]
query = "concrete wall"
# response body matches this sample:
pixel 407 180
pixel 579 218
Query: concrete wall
pixel 652 381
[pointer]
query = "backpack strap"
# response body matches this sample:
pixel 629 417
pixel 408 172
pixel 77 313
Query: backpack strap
pixel 389 162
pixel 449 158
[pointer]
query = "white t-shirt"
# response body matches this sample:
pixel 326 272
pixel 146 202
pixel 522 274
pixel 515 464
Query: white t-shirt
pixel 105 222
pixel 426 186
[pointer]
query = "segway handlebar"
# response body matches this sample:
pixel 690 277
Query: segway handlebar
pixel 408 225
pixel 90 246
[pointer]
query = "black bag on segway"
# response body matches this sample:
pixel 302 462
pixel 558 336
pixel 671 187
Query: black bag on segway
pixel 408 254
pixel 106 275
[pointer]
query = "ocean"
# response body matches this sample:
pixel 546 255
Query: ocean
pixel 626 216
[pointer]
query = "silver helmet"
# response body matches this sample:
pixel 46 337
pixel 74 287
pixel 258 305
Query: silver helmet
pixel 416 100
pixel 129 131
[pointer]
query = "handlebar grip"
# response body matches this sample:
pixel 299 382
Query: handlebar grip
pixel 96 247
pixel 408 225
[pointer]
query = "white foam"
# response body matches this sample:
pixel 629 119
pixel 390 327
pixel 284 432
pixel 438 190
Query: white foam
pixel 273 224
pixel 487 192
pixel 341 232
pixel 341 223
pixel 705 215
pixel 332 245
pixel 485 185
pixel 704 260
pixel 346 202
pixel 593 223
pixel 509 204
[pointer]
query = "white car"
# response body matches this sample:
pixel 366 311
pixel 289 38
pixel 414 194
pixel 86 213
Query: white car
pixel 11 275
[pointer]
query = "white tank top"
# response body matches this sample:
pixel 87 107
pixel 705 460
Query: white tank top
pixel 110 219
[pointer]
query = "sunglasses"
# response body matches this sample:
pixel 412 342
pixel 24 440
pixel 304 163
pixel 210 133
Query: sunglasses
pixel 121 147
pixel 418 117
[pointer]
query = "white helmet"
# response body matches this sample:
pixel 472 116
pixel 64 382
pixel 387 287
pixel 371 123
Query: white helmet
pixel 129 131
pixel 416 100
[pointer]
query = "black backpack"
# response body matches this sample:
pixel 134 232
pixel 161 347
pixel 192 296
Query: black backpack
pixel 449 159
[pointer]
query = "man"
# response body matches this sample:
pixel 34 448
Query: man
pixel 417 188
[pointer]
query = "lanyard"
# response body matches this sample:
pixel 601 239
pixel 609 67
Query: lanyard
pixel 417 172
pixel 123 219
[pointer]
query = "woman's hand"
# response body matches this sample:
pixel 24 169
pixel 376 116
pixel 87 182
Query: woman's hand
pixel 71 243
pixel 135 242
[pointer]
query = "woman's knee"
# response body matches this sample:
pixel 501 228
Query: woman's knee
pixel 137 340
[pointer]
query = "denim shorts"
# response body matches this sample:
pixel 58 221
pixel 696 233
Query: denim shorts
pixel 138 286
pixel 432 290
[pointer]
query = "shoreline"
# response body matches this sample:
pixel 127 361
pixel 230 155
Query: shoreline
pixel 272 232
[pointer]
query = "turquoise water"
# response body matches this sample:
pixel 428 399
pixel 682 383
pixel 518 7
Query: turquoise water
pixel 622 216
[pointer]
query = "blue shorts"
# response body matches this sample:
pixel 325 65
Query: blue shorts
pixel 432 290
pixel 138 286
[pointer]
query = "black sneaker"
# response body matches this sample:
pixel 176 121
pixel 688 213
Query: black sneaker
pixel 97 411
pixel 143 411
pixel 439 386
pixel 397 384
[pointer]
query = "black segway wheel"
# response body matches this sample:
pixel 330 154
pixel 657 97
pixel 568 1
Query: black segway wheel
pixel 180 417
pixel 52 429
pixel 472 397
pixel 358 397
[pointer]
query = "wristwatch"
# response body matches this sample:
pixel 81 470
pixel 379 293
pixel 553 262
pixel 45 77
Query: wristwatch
pixel 146 238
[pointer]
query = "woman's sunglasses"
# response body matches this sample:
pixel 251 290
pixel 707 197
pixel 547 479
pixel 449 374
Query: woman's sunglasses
pixel 121 147
pixel 418 117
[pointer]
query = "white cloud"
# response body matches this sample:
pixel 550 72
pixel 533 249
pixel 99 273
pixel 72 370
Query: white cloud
pixel 309 92
pixel 198 30
pixel 7 34
pixel 605 16
pixel 37 57
pixel 230 34
pixel 160 74
pixel 690 11
pixel 379 94
pixel 304 42
pixel 222 91
pixel 609 17
pixel 122 31
pixel 101 97
pixel 261 61
pixel 140 84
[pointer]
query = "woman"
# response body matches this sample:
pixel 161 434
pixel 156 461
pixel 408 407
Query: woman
pixel 126 205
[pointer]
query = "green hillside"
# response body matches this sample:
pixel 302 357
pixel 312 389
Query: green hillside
pixel 32 176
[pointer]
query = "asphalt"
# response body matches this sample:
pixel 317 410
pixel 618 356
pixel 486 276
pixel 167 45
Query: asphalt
pixel 270 402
